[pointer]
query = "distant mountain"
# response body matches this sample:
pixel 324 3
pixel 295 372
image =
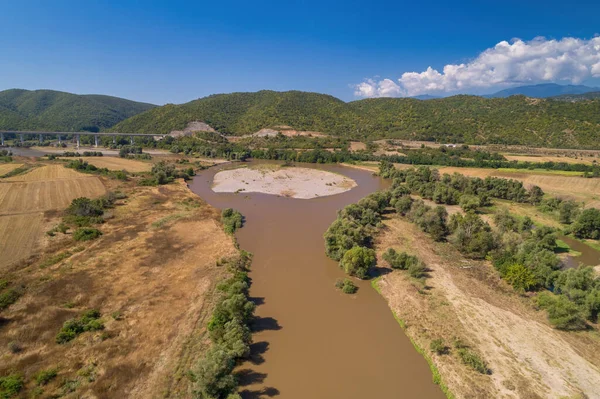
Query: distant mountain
pixel 543 90
pixel 457 119
pixel 577 97
pixel 425 97
pixel 60 111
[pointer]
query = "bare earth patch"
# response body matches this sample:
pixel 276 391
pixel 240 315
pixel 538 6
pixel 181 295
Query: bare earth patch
pixel 466 299
pixel 292 182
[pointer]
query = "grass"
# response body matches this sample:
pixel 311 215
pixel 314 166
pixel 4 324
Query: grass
pixel 542 171
pixel 562 247
pixel 437 378
pixel 55 259
pixel 171 218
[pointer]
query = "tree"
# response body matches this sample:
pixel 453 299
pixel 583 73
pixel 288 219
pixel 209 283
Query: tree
pixel 357 261
pixel 588 224
pixel 520 277
pixel 535 195
pixel 562 313
pixel 212 375
pixel 567 211
pixel 469 203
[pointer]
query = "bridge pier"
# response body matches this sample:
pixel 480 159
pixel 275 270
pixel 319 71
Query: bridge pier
pixel 78 140
pixel 115 140
pixel 131 137
pixel 2 139
pixel 41 139
pixel 96 140
pixel 59 140
pixel 22 138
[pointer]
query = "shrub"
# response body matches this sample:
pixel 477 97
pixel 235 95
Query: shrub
pixel 232 220
pixel 520 277
pixel 11 385
pixel 14 347
pixel 88 321
pixel 357 261
pixel 439 347
pixel 469 202
pixel 417 270
pixel 347 286
pixel 473 360
pixel 212 375
pixel 8 297
pixel 86 234
pixel 45 376
pixel 85 207
pixel 562 313
pixel 399 260
pixel 342 235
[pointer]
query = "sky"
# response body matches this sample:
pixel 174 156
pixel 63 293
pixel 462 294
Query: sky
pixel 176 51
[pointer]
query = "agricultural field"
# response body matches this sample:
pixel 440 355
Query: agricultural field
pixel 25 198
pixel 9 167
pixel 114 163
pixel 549 158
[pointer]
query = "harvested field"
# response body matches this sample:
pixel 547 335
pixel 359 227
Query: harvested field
pixel 357 146
pixel 47 195
pixel 19 236
pixel 24 198
pixel 549 158
pixel 114 163
pixel 8 167
pixel 465 299
pixel 47 172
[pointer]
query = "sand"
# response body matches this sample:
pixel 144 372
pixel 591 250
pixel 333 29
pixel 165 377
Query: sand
pixel 290 182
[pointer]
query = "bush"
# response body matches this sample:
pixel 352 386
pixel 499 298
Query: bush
pixel 86 234
pixel 213 374
pixel 346 285
pixel 357 261
pixel 417 270
pixel 11 385
pixel 45 376
pixel 469 203
pixel 520 277
pixel 562 313
pixel 232 220
pixel 9 297
pixel 85 207
pixel 342 235
pixel 88 321
pixel 439 347
pixel 473 360
pixel 397 260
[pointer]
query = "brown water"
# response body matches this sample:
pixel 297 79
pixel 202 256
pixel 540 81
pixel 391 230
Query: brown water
pixel 589 256
pixel 311 340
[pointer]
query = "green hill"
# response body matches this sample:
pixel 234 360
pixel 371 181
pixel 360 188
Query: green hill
pixel 55 110
pixel 578 97
pixel 460 119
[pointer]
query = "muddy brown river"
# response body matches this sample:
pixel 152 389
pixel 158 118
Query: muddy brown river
pixel 311 340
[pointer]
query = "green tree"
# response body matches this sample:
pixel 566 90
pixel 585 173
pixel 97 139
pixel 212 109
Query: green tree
pixel 357 261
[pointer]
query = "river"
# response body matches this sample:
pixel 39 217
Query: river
pixel 311 340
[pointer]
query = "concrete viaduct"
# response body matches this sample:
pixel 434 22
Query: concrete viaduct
pixel 77 135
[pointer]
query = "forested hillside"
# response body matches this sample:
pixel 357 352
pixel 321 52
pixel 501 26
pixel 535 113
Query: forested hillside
pixel 54 110
pixel 460 119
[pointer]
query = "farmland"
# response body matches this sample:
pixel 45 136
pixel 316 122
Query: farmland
pixel 114 163
pixel 26 197
pixel 9 167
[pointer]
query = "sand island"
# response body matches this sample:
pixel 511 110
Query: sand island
pixel 293 182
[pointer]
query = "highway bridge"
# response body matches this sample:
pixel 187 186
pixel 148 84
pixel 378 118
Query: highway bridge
pixel 77 135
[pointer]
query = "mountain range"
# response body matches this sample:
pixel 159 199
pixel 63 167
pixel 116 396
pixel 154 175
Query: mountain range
pixel 457 119
pixel 543 90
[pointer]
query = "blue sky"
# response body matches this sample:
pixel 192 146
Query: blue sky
pixel 176 51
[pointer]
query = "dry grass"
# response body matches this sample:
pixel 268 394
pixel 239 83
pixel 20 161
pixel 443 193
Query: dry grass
pixel 151 286
pixel 548 158
pixel 8 167
pixel 357 146
pixel 114 163
pixel 467 300
pixel 19 237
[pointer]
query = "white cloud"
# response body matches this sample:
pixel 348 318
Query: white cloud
pixel 518 62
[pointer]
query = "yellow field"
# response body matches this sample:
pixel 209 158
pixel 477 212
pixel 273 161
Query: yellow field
pixel 19 236
pixel 24 198
pixel 114 163
pixel 548 158
pixel 8 167
pixel 45 173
